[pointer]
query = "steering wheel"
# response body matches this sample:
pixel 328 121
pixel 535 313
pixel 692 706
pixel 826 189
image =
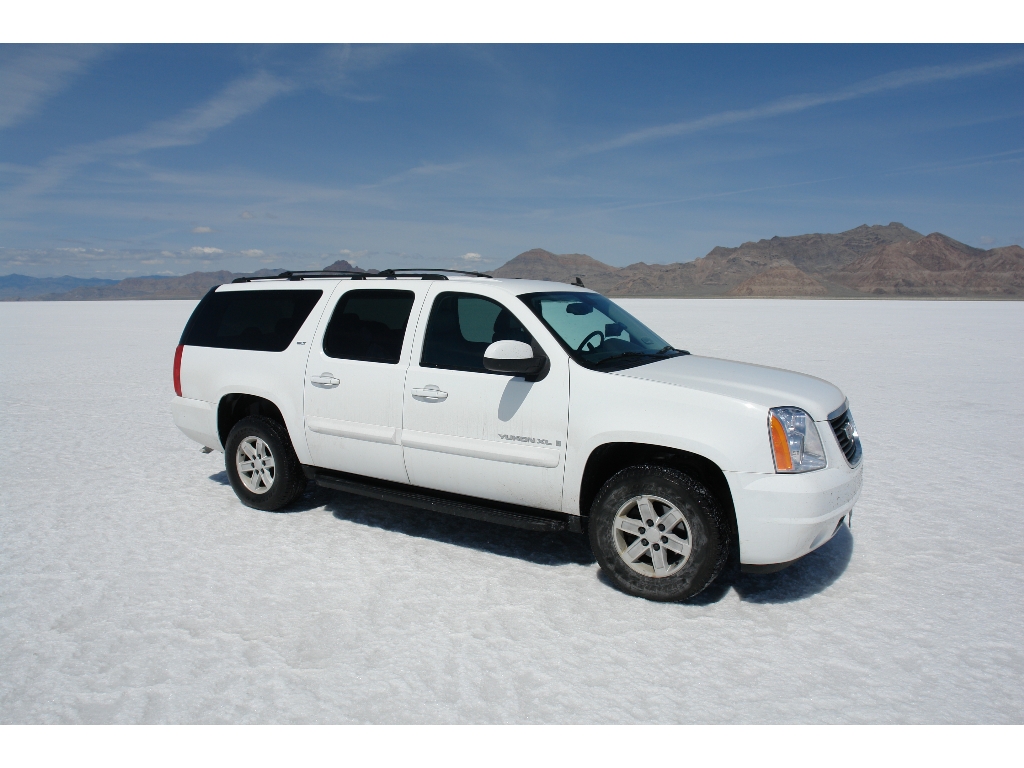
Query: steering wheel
pixel 591 335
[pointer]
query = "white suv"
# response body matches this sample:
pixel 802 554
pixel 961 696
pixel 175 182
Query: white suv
pixel 527 403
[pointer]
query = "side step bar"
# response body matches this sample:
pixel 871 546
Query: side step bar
pixel 526 518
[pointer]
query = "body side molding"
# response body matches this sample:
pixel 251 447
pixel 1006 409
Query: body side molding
pixel 339 428
pixel 514 453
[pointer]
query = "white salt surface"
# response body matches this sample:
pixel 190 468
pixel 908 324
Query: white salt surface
pixel 135 588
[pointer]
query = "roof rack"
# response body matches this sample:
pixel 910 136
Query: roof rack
pixel 300 274
pixel 387 274
pixel 410 272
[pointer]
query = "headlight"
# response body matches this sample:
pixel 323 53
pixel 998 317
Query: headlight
pixel 796 444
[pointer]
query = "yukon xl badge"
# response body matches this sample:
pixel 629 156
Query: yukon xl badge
pixel 521 439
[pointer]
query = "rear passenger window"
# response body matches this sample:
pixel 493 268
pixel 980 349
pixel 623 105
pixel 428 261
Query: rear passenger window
pixel 369 325
pixel 263 321
pixel 462 326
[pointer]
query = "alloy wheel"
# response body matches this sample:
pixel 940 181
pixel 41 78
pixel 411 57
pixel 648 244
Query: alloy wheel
pixel 651 536
pixel 255 464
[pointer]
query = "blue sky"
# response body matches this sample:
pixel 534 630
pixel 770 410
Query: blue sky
pixel 130 160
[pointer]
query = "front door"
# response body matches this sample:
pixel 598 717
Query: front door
pixel 355 374
pixel 483 434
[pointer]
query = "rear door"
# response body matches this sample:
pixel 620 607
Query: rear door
pixel 355 376
pixel 469 431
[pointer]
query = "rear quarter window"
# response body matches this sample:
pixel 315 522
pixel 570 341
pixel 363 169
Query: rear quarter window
pixel 262 321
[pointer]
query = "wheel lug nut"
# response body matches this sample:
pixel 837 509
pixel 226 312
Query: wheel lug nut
pixel 657 547
pixel 650 523
pixel 642 529
pixel 664 539
pixel 645 542
pixel 661 527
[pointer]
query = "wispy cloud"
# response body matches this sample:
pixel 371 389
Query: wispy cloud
pixel 422 170
pixel 432 169
pixel 334 65
pixel 192 126
pixel 201 230
pixel 1011 156
pixel 892 81
pixel 29 74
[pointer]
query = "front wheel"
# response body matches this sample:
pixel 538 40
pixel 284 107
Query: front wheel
pixel 658 533
pixel 261 464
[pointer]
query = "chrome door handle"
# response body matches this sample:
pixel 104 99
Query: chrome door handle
pixel 429 392
pixel 325 379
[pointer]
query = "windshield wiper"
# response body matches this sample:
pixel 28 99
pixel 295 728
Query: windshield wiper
pixel 670 348
pixel 622 355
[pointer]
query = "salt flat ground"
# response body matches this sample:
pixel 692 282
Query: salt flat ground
pixel 135 588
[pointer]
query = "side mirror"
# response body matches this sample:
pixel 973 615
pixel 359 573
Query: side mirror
pixel 514 357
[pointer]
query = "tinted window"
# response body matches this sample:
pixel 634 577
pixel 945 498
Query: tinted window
pixel 462 326
pixel 369 325
pixel 264 321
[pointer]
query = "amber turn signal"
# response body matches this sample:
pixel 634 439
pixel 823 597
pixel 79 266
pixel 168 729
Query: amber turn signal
pixel 780 445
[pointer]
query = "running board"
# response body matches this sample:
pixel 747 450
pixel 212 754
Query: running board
pixel 514 516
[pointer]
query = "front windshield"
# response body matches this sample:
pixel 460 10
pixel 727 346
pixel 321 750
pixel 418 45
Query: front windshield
pixel 597 332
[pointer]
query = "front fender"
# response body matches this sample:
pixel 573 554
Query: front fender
pixel 605 408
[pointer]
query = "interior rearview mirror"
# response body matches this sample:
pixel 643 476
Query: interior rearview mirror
pixel 514 357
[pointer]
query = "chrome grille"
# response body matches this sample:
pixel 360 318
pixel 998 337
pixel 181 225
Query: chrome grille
pixel 845 431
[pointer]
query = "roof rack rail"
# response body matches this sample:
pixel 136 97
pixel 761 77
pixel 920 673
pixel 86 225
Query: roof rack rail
pixel 301 273
pixel 423 274
pixel 390 272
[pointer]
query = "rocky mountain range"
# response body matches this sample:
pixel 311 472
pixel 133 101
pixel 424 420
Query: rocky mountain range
pixel 867 261
pixel 23 286
pixel 936 265
pixel 889 260
pixel 191 286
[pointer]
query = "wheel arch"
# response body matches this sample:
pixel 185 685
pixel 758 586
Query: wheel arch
pixel 235 406
pixel 607 459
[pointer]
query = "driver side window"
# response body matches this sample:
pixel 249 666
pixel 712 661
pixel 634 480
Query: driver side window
pixel 462 326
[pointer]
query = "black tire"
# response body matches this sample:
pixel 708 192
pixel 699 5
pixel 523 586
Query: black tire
pixel 701 526
pixel 287 480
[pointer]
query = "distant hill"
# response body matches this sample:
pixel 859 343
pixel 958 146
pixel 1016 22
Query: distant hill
pixel 936 265
pixel 538 264
pixel 343 266
pixel 879 260
pixel 13 286
pixel 191 286
pixel 817 252
pixel 789 266
pixel 782 280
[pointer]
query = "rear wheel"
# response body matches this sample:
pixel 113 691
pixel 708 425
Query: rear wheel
pixel 261 464
pixel 658 533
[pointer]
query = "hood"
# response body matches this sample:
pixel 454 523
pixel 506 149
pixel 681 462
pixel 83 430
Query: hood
pixel 768 387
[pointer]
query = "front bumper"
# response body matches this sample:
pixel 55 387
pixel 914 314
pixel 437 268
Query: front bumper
pixel 783 517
